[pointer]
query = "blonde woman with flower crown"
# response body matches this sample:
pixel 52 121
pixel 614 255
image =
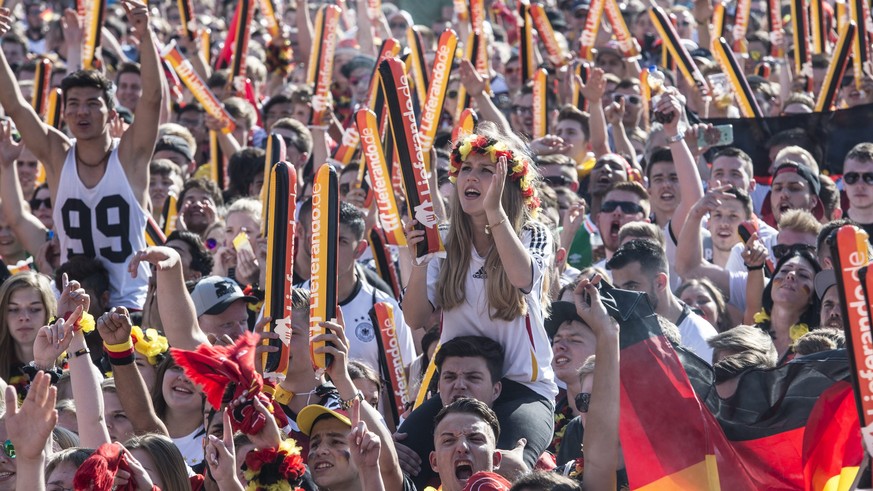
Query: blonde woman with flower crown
pixel 491 281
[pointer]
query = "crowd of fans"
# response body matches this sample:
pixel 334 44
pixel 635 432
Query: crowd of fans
pixel 130 362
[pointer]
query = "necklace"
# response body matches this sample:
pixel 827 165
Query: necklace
pixel 98 164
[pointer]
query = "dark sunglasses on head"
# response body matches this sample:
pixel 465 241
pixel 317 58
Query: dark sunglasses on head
pixel 35 203
pixel 853 177
pixel 583 399
pixel 782 250
pixel 627 207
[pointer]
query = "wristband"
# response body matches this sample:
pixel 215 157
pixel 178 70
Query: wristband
pixel 78 353
pixel 121 353
pixel 754 268
pixel 346 404
pixel 676 138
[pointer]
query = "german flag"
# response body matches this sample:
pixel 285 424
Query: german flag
pixel 832 441
pixel 669 438
pixel 677 433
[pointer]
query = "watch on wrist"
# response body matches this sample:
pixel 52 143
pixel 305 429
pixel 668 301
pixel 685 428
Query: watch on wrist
pixel 347 404
pixel 675 138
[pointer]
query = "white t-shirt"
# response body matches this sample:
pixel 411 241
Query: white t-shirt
pixel 359 328
pixel 362 334
pixel 191 446
pixel 694 331
pixel 527 351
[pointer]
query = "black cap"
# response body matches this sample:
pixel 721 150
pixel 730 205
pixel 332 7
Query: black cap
pixel 561 312
pixel 805 172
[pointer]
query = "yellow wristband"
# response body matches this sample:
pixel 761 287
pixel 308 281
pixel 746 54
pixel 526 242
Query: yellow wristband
pixel 120 347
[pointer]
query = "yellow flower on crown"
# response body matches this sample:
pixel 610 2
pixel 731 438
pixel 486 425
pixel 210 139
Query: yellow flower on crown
pixel 149 344
pixel 518 169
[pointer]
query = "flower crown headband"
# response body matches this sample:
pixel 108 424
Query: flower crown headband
pixel 150 344
pixel 518 169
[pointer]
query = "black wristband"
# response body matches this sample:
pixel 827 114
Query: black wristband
pixel 754 268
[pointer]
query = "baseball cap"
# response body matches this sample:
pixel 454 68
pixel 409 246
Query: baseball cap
pixel 803 171
pixel 176 144
pixel 307 417
pixel 214 294
pixel 561 312
pixel 824 280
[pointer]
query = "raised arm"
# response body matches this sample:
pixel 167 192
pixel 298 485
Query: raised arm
pixel 516 260
pixel 755 258
pixel 72 25
pixel 26 227
pixel 114 327
pixel 690 184
pixel 30 428
pixel 48 145
pixel 138 142
pixel 593 93
pixel 337 345
pixel 304 26
pixel 174 304
pixel 475 86
pixel 601 426
pixel 365 33
pixel 87 395
pixel 689 252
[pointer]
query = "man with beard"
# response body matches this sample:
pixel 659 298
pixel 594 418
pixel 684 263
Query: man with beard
pixel 641 265
pixel 831 307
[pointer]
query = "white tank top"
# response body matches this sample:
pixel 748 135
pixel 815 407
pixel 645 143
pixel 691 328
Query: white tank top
pixel 106 222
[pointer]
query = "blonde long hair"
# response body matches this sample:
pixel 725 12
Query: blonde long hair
pixel 505 301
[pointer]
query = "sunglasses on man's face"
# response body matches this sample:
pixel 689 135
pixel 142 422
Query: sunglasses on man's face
pixel 782 250
pixel 627 207
pixel 583 400
pixel 853 177
pixel 633 100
